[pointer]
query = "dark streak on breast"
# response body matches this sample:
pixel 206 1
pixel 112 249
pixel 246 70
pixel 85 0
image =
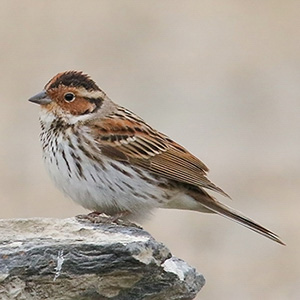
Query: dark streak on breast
pixel 67 164
pixel 79 169
pixel 121 170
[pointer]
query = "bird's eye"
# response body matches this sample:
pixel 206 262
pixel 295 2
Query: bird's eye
pixel 69 97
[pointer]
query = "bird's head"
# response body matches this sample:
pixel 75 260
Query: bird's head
pixel 70 93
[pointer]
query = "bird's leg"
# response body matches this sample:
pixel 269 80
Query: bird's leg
pixel 119 216
pixel 120 219
pixel 100 217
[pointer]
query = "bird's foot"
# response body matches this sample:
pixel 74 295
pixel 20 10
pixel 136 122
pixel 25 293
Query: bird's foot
pixel 102 218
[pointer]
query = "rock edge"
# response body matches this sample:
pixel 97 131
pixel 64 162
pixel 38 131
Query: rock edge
pixel 73 259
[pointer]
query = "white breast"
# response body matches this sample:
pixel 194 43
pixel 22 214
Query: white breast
pixel 105 185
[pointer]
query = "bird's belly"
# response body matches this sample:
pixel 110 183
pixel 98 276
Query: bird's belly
pixel 106 186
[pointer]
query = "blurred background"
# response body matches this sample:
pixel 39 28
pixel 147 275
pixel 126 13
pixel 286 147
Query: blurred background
pixel 219 77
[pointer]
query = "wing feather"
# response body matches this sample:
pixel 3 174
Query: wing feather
pixel 132 140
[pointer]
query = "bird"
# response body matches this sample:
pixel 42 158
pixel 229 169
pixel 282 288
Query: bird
pixel 109 160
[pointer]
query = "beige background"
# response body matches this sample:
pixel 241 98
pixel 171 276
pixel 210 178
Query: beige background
pixel 220 77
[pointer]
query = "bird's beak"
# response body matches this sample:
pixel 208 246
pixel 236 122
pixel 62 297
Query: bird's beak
pixel 41 98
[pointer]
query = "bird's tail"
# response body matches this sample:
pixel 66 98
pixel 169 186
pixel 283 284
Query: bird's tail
pixel 215 206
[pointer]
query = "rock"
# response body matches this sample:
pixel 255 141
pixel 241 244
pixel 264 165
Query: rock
pixel 76 259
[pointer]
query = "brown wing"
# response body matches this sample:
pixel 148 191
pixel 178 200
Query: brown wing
pixel 131 139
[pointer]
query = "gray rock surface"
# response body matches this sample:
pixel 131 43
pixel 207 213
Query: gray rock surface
pixel 71 259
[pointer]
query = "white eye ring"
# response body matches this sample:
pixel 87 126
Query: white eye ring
pixel 69 97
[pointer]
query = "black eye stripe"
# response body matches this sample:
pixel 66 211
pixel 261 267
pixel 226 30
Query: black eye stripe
pixel 97 101
pixel 85 112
